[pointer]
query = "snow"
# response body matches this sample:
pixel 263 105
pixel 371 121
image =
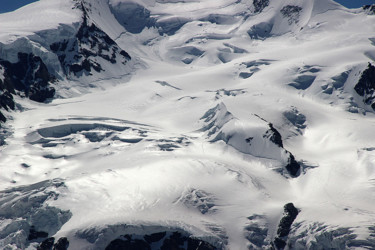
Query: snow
pixel 37 16
pixel 130 151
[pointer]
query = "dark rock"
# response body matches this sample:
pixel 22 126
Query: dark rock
pixel 78 54
pixel 28 76
pixel 155 237
pixel 33 234
pixel 279 243
pixel 6 101
pixel 259 5
pixel 125 54
pixel 61 244
pixel 290 214
pixel 128 244
pixel 248 140
pixel 292 12
pixel 47 244
pixel 25 165
pixel 366 85
pixel 293 166
pixel 167 241
pixel 41 95
pixel 370 9
pixel 2 119
pixel 274 136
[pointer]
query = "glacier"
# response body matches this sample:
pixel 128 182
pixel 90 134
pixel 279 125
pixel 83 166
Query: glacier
pixel 169 124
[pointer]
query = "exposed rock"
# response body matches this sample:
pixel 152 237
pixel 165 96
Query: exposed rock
pixel 61 244
pixel 273 135
pixel 366 86
pixel 370 9
pixel 6 100
pixel 259 5
pixel 290 214
pixel 47 244
pixel 293 166
pixel 167 241
pixel 78 55
pixel 28 77
pixel 291 12
pixel 33 234
pixel 2 119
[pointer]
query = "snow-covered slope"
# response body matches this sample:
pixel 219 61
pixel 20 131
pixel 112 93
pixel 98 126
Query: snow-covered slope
pixel 213 124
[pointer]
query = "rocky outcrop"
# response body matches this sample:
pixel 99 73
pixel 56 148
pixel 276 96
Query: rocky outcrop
pixel 89 50
pixel 291 12
pixel 259 5
pixel 84 52
pixel 28 77
pixel 370 9
pixel 290 214
pixel 366 86
pixel 166 241
pixel 49 244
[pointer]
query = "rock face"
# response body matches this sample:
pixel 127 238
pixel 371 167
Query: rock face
pixel 291 12
pixel 49 244
pixel 290 214
pixel 366 86
pixel 164 240
pixel 370 9
pixel 28 77
pixel 82 54
pixel 259 5
pixel 89 50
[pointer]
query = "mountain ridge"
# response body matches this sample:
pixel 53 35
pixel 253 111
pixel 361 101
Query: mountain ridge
pixel 210 125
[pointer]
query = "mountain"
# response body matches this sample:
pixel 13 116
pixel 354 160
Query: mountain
pixel 169 124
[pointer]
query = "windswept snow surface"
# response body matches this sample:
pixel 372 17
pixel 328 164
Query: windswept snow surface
pixel 187 143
